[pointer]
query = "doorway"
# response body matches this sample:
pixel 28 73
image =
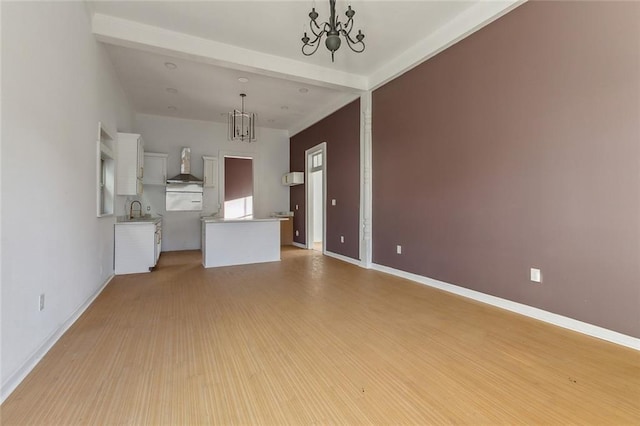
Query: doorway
pixel 236 189
pixel 316 197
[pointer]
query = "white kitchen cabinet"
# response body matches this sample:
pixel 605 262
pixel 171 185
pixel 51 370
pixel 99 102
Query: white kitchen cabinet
pixel 137 246
pixel 155 169
pixel 210 172
pixel 129 164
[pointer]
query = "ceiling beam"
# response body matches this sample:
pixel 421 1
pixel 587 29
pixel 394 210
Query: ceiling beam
pixel 126 33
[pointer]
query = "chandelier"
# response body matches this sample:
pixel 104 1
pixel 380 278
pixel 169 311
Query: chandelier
pixel 242 125
pixel 333 30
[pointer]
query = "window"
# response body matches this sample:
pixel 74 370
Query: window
pixel 316 160
pixel 105 179
pixel 238 187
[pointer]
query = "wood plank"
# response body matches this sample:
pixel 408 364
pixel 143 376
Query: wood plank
pixel 312 339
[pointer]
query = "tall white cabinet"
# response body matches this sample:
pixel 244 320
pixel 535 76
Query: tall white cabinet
pixel 130 164
pixel 210 167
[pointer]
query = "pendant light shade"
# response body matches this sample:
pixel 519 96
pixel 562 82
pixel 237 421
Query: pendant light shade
pixel 242 124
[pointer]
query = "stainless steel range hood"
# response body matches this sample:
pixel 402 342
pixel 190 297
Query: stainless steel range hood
pixel 185 175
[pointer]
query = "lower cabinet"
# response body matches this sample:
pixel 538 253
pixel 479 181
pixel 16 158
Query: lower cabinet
pixel 137 246
pixel 286 232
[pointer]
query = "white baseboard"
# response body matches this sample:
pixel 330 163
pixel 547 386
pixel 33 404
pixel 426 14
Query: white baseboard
pixel 530 311
pixel 16 378
pixel 343 258
pixel 302 246
pixel 334 255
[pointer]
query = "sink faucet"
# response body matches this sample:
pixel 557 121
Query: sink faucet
pixel 131 209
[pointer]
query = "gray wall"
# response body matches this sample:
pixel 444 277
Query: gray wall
pixel 181 230
pixel 519 147
pixel 57 84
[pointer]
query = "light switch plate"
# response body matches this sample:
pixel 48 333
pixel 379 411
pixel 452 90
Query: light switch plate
pixel 399 249
pixel 536 275
pixel 333 202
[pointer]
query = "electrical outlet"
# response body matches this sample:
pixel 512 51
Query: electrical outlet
pixel 42 302
pixel 399 249
pixel 536 275
pixel 297 233
pixel 148 208
pixel 342 238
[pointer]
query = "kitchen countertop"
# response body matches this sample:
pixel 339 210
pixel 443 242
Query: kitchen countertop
pixel 221 220
pixel 124 220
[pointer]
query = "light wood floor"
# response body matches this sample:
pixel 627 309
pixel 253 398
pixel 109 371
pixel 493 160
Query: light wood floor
pixel 312 340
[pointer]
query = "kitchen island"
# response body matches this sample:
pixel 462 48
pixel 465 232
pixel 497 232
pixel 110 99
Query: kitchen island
pixel 227 242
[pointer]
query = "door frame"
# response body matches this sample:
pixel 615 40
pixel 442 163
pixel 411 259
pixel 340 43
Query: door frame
pixel 222 154
pixel 308 154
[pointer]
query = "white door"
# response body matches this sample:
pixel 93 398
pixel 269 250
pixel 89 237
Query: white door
pixel 316 179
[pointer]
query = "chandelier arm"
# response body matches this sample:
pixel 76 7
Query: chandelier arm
pixel 312 42
pixel 353 44
pixel 319 33
pixel 317 27
pixel 348 26
pixel 315 47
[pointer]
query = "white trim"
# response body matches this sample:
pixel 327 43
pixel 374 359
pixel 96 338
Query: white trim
pixel 343 258
pixel 302 246
pixel 131 34
pixel 16 378
pixel 308 194
pixel 365 179
pixel 519 308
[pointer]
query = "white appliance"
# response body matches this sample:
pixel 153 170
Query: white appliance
pixel 293 178
pixel 184 197
pixel 184 191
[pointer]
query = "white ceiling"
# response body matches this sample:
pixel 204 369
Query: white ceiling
pixel 216 42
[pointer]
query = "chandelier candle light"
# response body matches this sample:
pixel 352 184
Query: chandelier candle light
pixel 242 125
pixel 333 30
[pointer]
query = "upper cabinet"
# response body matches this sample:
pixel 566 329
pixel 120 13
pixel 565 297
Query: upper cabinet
pixel 130 164
pixel 155 169
pixel 293 178
pixel 210 172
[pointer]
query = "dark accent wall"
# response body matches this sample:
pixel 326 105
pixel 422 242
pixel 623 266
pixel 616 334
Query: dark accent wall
pixel 519 147
pixel 341 132
pixel 238 178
